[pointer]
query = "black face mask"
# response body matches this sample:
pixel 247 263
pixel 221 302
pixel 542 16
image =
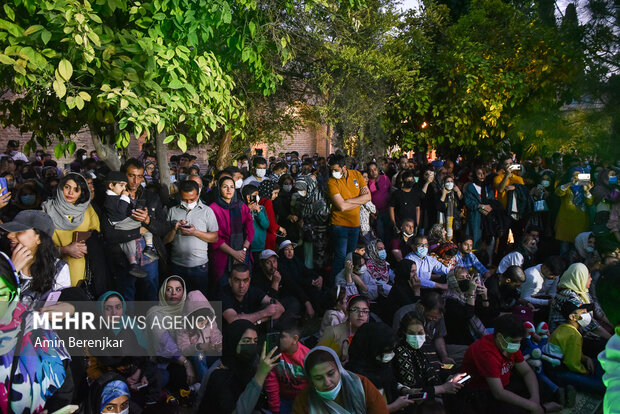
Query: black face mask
pixel 464 285
pixel 408 184
pixel 247 352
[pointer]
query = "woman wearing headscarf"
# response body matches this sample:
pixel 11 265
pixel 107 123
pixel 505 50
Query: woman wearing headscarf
pixel 32 377
pixel 236 384
pixel 259 218
pixel 541 193
pixel 370 355
pixel 203 340
pixel 235 232
pixel 573 286
pixel 462 305
pixel 108 394
pixel 334 390
pixel 339 337
pixel 71 212
pixel 448 205
pixel 406 289
pixel 282 208
pixel 27 197
pixel 162 342
pixel 412 369
pixel 584 251
pixel 378 266
pixel 310 206
pixel 265 192
pixel 572 217
pixel 606 191
pixel 478 194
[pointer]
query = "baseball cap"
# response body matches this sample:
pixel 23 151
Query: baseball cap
pixel 569 307
pixel 286 243
pixel 266 254
pixel 30 219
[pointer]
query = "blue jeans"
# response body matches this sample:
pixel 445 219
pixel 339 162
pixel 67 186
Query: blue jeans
pixel 196 278
pixel 344 240
pixel 133 288
pixel 587 383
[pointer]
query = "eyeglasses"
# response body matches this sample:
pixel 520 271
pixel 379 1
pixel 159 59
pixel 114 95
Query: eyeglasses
pixel 360 311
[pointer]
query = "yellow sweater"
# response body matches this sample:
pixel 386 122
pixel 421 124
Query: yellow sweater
pixel 568 338
pixel 62 238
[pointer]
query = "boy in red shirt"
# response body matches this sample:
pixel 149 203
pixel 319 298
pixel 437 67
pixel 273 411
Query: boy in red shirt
pixel 287 378
pixel 490 362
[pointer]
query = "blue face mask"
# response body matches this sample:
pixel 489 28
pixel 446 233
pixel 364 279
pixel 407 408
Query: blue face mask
pixel 28 199
pixel 422 251
pixel 331 394
pixel 382 254
pixel 613 180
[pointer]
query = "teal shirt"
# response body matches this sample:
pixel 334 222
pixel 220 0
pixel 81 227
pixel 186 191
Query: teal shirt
pixel 261 224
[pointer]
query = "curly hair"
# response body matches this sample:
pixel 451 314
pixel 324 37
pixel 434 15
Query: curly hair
pixel 43 270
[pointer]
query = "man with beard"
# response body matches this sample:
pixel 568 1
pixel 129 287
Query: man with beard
pixel 468 260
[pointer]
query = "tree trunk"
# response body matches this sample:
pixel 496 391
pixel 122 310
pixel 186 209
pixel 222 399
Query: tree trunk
pixel 107 153
pixel 223 154
pixel 161 150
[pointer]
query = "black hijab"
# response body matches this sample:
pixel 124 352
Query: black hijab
pixel 372 340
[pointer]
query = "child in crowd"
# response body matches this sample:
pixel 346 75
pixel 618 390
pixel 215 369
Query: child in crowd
pixel 337 305
pixel 117 206
pixel 287 378
pixel 577 369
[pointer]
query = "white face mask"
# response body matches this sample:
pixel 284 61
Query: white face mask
pixel 302 193
pixel 238 184
pixel 260 172
pixel 586 319
pixel 416 341
pixel 189 206
pixel 385 358
pixel 337 175
pixel 257 198
pixel 361 270
pixel 408 235
pixel 287 188
pixel 449 186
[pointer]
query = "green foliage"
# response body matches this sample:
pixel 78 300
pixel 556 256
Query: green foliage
pixel 481 73
pixel 126 66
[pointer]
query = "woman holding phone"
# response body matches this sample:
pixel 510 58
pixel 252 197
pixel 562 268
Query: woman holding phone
pixel 259 217
pixel 235 232
pixel 573 218
pixel 71 212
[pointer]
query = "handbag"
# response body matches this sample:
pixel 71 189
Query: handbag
pixel 540 205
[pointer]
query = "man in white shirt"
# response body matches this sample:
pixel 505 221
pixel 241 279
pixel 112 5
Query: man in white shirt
pixel 195 226
pixel 427 265
pixel 542 280
pixel 259 170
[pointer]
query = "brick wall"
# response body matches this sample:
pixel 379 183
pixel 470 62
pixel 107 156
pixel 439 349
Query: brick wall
pixel 306 141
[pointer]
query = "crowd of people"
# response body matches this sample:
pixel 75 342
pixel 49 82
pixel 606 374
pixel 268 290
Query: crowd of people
pixel 397 285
